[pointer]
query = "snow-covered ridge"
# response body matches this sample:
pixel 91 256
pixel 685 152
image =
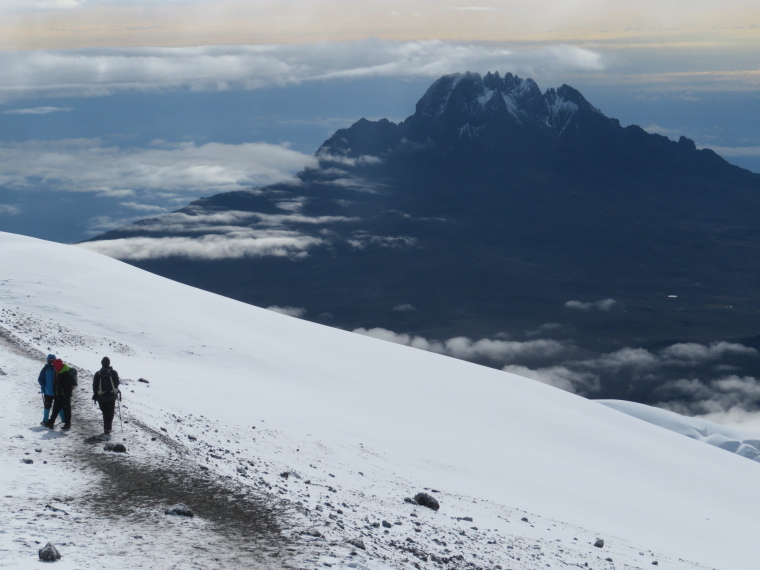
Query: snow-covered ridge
pixel 744 443
pixel 369 423
pixel 479 97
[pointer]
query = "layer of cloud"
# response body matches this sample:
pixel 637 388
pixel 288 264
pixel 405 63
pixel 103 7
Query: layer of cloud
pixel 498 351
pixel 560 366
pixel 207 247
pixel 728 395
pixel 92 72
pixel 85 165
pixel 37 111
pixel 734 150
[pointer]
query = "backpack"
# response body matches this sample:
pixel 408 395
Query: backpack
pixel 106 387
pixel 73 372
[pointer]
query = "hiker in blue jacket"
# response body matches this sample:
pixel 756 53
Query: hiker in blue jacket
pixel 46 380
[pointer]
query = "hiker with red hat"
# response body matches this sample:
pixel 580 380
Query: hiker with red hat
pixel 63 386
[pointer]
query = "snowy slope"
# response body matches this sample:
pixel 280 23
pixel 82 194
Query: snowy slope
pixel 377 422
pixel 741 442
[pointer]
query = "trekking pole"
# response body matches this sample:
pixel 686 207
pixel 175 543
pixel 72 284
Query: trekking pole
pixel 121 424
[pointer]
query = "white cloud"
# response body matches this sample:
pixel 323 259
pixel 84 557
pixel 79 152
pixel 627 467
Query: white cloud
pixel 289 311
pixel 603 305
pixel 631 358
pixel 37 111
pixel 734 150
pixel 92 72
pixel 693 353
pixel 404 308
pixel 142 207
pixel 206 247
pixel 8 210
pixel 727 396
pixel 85 165
pixel 499 351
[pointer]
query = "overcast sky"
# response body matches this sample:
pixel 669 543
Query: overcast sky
pixel 115 110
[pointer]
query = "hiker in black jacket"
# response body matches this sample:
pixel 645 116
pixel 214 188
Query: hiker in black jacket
pixel 105 391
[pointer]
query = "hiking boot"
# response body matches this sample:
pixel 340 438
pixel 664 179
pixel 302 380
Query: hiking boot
pixel 66 426
pixel 49 424
pixel 106 431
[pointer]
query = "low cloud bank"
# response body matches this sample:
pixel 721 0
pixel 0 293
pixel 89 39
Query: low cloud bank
pixel 688 378
pixel 94 72
pixel 208 247
pixel 468 349
pixel 85 165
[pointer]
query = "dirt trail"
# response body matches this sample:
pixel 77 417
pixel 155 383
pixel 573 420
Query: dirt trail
pixel 235 524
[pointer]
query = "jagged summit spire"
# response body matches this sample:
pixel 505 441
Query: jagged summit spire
pixel 471 99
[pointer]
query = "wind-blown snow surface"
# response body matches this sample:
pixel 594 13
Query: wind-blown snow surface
pixel 377 422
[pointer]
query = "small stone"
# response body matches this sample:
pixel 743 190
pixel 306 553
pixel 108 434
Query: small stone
pixel 386 524
pixel 180 509
pixel 357 542
pixel 599 543
pixel 27 461
pixel 115 447
pixel 49 553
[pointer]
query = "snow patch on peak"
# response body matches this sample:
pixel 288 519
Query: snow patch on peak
pixel 486 97
pixel 563 106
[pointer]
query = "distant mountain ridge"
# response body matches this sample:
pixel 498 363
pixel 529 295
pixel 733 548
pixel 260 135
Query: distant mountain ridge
pixel 485 212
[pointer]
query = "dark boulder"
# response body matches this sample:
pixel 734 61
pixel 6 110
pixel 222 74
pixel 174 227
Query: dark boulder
pixel 116 447
pixel 427 501
pixel 49 553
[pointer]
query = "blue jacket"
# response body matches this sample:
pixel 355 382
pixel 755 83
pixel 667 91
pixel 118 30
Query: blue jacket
pixel 46 379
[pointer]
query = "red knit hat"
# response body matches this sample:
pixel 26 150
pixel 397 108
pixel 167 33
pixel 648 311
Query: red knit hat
pixel 58 364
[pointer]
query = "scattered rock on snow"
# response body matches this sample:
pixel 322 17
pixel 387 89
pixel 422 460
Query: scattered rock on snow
pixel 427 501
pixel 143 380
pixel 180 509
pixel 27 461
pixel 357 542
pixel 116 447
pixel 599 543
pixel 49 553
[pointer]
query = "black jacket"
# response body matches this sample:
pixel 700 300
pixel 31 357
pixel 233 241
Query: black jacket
pixel 63 385
pixel 102 388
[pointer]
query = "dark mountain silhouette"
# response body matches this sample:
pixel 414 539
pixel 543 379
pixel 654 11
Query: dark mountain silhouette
pixel 485 212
